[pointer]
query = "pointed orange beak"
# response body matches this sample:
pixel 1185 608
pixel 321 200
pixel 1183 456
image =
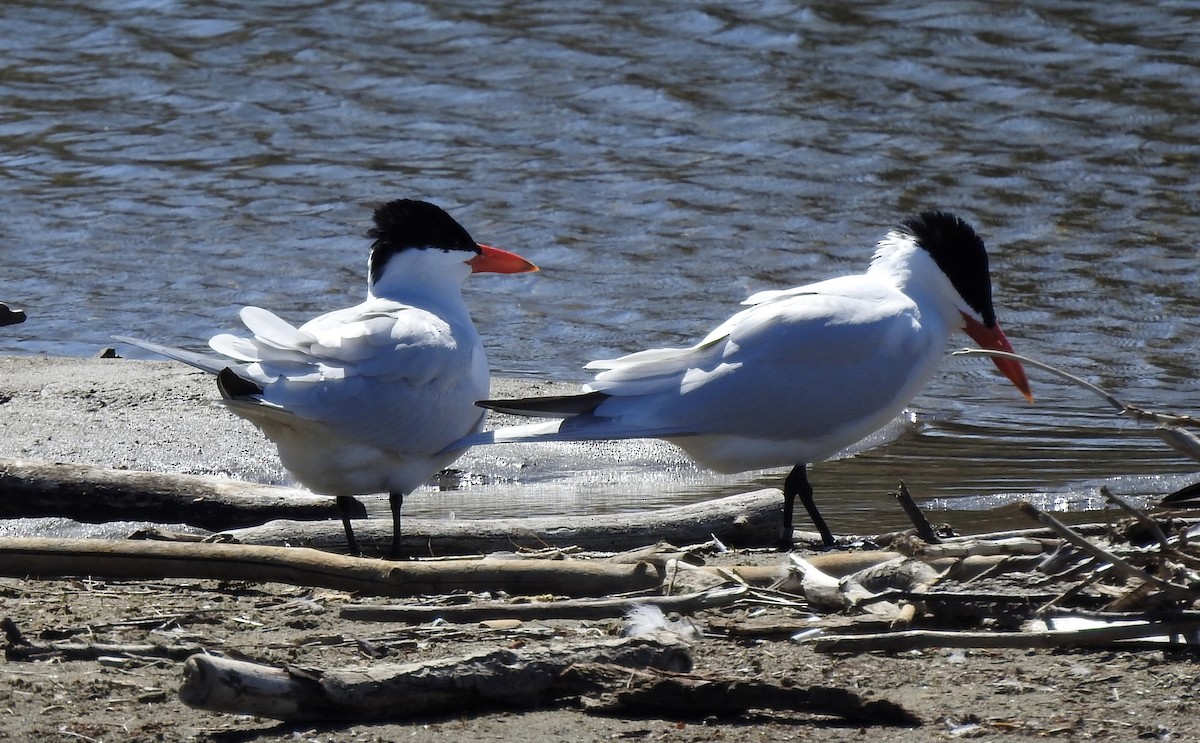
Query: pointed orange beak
pixel 993 339
pixel 495 260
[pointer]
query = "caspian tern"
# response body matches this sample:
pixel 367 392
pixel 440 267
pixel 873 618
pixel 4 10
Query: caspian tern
pixel 366 399
pixel 799 375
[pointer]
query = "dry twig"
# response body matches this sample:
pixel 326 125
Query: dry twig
pixel 922 639
pixel 1119 564
pixel 913 511
pixel 568 609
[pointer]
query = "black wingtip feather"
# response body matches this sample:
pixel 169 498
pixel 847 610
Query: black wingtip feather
pixel 550 406
pixel 233 387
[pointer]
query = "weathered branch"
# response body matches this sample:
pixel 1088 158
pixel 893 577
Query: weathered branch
pixel 1180 439
pixel 485 680
pixel 94 650
pixel 748 519
pixel 924 639
pixel 1150 524
pixel 95 494
pixel 568 609
pixel 1124 567
pixel 913 511
pixel 116 559
pixel 255 514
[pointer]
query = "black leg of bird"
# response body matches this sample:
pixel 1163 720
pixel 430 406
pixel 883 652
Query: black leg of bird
pixel 344 504
pixel 396 500
pixel 797 484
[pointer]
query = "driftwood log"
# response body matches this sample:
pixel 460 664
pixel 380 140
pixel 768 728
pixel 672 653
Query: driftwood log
pixel 480 681
pixel 257 514
pixel 123 559
pixel 642 676
pixel 98 650
pixel 30 489
pixel 750 519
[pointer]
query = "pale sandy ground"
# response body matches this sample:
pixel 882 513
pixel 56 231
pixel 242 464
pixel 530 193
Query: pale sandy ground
pixel 160 416
pixel 164 416
pixel 151 415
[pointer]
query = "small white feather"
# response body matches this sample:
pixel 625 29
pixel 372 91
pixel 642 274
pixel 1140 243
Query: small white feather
pixel 648 619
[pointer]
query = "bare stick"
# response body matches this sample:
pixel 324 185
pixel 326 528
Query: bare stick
pixel 94 650
pixel 1120 565
pixel 913 511
pixel 1023 534
pixel 1155 530
pixel 975 605
pixel 569 609
pixel 921 639
pixel 1181 440
pixel 1095 576
pixel 1154 615
pixel 119 559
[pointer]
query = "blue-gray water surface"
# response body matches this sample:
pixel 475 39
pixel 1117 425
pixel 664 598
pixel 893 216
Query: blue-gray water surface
pixel 165 163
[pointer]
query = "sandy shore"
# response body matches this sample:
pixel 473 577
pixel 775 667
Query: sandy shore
pixel 160 416
pixel 163 416
pixel 151 415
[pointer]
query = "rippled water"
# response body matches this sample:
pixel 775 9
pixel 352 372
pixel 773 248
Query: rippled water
pixel 164 163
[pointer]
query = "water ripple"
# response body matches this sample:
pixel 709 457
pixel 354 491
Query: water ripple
pixel 164 164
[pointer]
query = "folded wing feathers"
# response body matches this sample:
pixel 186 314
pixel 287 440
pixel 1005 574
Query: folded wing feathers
pixel 270 329
pixel 284 350
pixel 656 369
pixel 235 347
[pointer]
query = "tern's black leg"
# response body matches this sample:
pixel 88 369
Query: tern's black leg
pixel 397 501
pixel 797 484
pixel 344 505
